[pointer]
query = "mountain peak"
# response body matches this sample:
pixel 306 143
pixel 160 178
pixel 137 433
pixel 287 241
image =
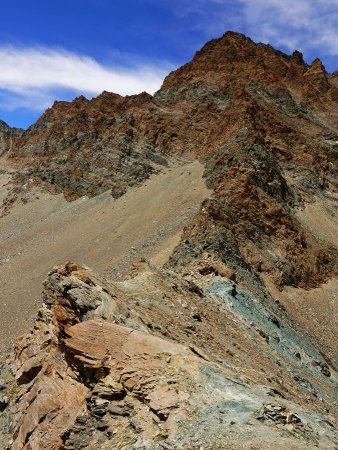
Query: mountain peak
pixel 316 67
pixel 234 57
pixel 297 57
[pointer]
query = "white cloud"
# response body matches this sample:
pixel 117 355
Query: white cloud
pixel 35 77
pixel 307 25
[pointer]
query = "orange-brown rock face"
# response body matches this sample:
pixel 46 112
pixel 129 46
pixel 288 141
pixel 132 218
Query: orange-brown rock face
pixel 265 125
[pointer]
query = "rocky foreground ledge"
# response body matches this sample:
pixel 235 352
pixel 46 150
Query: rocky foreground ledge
pixel 102 368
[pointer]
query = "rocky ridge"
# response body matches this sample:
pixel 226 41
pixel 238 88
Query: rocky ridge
pixel 123 366
pixel 265 126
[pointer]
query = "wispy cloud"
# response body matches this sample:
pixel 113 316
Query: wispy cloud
pixel 34 77
pixel 308 25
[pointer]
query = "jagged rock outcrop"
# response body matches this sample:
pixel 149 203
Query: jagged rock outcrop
pixel 97 371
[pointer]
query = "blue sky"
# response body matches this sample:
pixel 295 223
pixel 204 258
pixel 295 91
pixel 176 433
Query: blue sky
pixel 60 49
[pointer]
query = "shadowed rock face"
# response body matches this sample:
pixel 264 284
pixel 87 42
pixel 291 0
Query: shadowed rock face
pixel 99 370
pixel 7 135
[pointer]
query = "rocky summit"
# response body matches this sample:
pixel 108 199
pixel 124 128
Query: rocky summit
pixel 192 302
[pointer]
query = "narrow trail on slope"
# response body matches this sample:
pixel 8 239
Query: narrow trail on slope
pixel 100 232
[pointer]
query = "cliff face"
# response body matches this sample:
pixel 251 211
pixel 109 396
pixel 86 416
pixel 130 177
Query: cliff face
pixel 265 126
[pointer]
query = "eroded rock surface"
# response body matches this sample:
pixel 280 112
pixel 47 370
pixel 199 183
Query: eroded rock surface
pixel 102 368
